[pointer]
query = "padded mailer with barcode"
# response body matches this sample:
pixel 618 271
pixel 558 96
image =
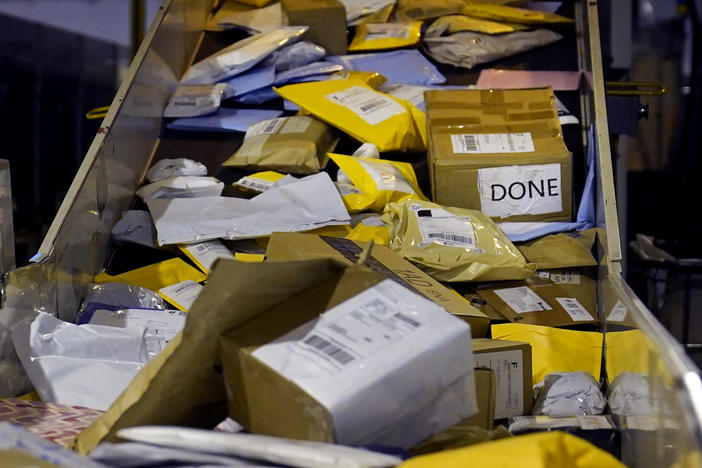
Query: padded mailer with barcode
pixel 387 366
pixel 499 151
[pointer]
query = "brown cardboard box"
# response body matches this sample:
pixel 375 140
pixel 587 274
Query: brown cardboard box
pixel 326 19
pixel 295 246
pixel 535 301
pixel 513 177
pixel 349 375
pixel 511 363
pixel 485 394
pixel 579 283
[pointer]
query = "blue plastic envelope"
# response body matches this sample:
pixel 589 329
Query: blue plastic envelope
pixel 253 79
pixel 400 66
pixel 224 120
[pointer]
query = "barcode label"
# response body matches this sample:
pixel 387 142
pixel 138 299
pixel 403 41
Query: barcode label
pixel 441 226
pixel 182 295
pixel 451 237
pixel 576 311
pixel 330 349
pixel 372 106
pixel 618 312
pixel 387 30
pixel 265 127
pixel 256 184
pixel 204 254
pixel 493 143
pixel 522 299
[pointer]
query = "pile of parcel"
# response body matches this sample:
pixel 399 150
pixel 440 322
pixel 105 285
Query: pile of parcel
pixel 346 261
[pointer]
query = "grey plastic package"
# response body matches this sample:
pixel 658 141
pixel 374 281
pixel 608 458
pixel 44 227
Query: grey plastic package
pixel 467 49
pixel 630 394
pixel 182 187
pixel 241 55
pixel 124 295
pixel 568 394
pixel 135 227
pixel 294 55
pixel 195 100
pixel 167 168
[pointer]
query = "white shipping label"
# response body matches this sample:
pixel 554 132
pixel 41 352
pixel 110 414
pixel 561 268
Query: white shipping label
pixel 519 190
pixel 371 106
pixel 183 294
pixel 618 312
pixel 265 127
pixel 442 227
pixel 386 176
pixel 575 309
pixel 165 323
pixel 387 30
pixel 205 253
pixel 509 380
pixel 413 94
pixel 593 422
pixel 299 124
pixel 522 299
pixel 493 143
pixel 253 183
pixel 565 277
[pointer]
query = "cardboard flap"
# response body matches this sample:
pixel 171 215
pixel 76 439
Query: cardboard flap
pixel 185 375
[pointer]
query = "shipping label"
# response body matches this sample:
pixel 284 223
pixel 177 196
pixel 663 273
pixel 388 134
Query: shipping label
pixel 575 309
pixel 440 226
pixel 493 143
pixel 522 299
pixel 182 295
pixel 371 106
pixel 509 380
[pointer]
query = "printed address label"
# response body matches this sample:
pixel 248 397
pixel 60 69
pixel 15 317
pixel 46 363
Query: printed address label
pixel 493 143
pixel 371 106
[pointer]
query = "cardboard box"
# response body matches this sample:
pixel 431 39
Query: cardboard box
pixel 295 246
pixel 326 19
pixel 485 395
pixel 537 301
pixel 579 283
pixel 511 363
pixel 500 152
pixel 386 366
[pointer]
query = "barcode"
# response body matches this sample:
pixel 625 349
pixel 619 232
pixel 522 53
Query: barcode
pixel 572 306
pixel 255 185
pixel 374 104
pixel 470 143
pixel 330 349
pixel 407 319
pixel 451 237
pixel 271 126
pixel 202 247
pixel 182 288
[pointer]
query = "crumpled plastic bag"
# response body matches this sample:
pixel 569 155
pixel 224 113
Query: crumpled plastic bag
pixel 294 56
pixel 359 110
pixel 467 49
pixel 241 55
pixel 182 187
pixel 542 450
pixel 630 394
pixel 124 295
pixel 378 182
pixel 135 227
pixel 568 394
pixel 195 100
pixel 167 168
pixel 453 244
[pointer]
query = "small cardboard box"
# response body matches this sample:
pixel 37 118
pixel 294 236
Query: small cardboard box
pixel 485 395
pixel 387 366
pixel 511 363
pixel 579 283
pixel 295 246
pixel 537 301
pixel 500 152
pixel 326 19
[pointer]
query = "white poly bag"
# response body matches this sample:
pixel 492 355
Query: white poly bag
pixel 195 100
pixel 182 187
pixel 568 394
pixel 80 365
pixel 300 205
pixel 167 168
pixel 297 453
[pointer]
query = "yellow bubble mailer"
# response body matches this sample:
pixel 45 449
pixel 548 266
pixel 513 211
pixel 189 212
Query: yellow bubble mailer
pixel 378 36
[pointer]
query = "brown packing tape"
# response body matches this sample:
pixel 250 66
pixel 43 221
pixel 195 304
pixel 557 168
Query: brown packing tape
pixel 185 373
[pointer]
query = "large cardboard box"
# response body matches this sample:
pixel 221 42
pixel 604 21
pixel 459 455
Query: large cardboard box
pixel 538 301
pixel 326 19
pixel 511 363
pixel 295 246
pixel 500 152
pixel 378 368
